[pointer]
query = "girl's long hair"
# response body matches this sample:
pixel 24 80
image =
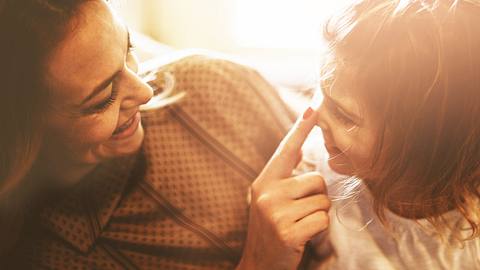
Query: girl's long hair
pixel 416 65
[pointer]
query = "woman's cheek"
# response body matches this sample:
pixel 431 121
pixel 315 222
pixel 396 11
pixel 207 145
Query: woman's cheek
pixel 97 130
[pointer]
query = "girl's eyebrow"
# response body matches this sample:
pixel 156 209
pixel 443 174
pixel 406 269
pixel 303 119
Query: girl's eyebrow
pixel 342 108
pixel 103 85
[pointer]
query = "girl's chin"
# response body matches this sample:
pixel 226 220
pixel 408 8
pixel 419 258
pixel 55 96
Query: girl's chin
pixel 340 167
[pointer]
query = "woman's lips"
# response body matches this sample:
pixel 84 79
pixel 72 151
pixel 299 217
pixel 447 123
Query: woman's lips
pixel 128 128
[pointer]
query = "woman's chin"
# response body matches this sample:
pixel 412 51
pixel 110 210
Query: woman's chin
pixel 126 146
pixel 134 143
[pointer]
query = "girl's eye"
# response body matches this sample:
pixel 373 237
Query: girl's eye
pixel 131 59
pixel 102 106
pixel 340 116
pixel 131 47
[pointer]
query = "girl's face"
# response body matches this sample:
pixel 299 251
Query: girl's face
pixel 94 90
pixel 349 130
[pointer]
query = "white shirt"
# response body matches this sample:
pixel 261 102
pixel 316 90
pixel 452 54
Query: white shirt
pixel 360 241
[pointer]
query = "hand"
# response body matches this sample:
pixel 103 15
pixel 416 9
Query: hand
pixel 285 211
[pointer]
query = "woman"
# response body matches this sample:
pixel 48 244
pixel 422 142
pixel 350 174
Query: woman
pixel 89 182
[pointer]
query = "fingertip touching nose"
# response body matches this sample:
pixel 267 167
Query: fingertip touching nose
pixel 321 120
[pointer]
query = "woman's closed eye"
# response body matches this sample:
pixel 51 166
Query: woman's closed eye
pixel 104 104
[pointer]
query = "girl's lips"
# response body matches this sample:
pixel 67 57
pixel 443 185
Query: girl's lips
pixel 332 150
pixel 128 128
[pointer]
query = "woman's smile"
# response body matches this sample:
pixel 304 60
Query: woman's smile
pixel 128 128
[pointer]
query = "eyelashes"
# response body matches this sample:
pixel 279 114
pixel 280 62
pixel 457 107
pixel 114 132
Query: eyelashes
pixel 131 46
pixel 339 115
pixel 342 118
pixel 105 104
pixel 326 85
pixel 102 106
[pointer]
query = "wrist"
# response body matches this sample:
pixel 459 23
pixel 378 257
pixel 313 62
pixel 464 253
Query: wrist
pixel 245 264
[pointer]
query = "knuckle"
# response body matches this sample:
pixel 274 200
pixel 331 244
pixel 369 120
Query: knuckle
pixel 327 203
pixel 287 237
pixel 324 201
pixel 318 180
pixel 277 218
pixel 256 188
pixel 323 218
pixel 316 174
pixel 298 247
pixel 260 188
pixel 264 201
pixel 293 240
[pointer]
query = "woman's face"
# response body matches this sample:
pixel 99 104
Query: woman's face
pixel 349 130
pixel 95 92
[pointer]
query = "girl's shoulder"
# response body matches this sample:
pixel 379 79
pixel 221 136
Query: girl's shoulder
pixel 361 241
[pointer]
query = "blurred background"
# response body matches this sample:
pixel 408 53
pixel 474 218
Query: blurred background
pixel 281 38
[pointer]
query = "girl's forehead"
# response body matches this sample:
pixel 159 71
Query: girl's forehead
pixel 345 90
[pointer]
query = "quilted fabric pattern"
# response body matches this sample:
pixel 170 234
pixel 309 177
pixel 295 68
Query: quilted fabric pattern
pixel 181 202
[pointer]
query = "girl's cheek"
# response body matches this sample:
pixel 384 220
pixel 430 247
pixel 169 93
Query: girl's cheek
pixel 366 139
pixel 333 132
pixel 361 151
pixel 343 141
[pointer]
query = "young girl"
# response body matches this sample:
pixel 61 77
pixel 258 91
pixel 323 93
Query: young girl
pixel 400 112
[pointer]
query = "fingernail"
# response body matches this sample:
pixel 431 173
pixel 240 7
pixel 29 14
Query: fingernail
pixel 308 112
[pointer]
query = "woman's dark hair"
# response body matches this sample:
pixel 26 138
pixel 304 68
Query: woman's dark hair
pixel 29 30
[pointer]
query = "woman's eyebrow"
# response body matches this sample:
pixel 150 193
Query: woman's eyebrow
pixel 99 88
pixel 103 85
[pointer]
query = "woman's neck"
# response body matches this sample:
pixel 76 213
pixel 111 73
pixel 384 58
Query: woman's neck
pixel 60 172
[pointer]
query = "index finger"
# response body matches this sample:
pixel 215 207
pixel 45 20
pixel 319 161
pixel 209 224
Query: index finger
pixel 284 160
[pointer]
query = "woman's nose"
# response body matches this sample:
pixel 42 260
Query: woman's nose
pixel 138 91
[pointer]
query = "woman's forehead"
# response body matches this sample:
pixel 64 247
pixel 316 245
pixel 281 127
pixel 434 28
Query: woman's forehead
pixel 89 54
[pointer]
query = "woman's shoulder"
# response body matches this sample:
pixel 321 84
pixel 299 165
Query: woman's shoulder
pixel 229 104
pixel 213 77
pixel 201 63
pixel 215 82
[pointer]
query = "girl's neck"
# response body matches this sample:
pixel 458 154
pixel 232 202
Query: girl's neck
pixel 407 204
